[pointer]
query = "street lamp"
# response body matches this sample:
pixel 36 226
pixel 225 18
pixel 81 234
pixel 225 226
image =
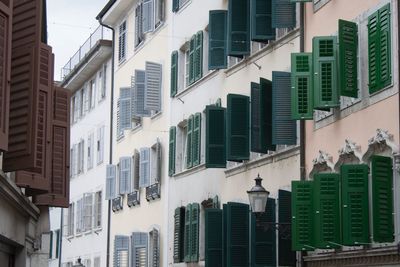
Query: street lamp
pixel 258 197
pixel 78 263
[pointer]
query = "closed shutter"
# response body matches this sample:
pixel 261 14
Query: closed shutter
pixel 189 142
pixel 261 16
pixel 217 43
pixel 283 14
pixel 121 251
pixel 192 54
pixel 325 72
pixel 144 167
pixel 302 216
pixel 125 175
pixel 152 97
pixel 196 139
pixel 139 95
pixel 283 127
pixel 238 27
pixel 86 99
pixel 187 237
pixel 179 234
pixel 174 73
pixel 355 207
pixel 148 16
pixel 237 128
pixel 224 234
pixel 215 137
pixel 136 170
pixel 301 89
pixel 111 176
pixel 172 151
pixel 382 199
pixel 348 48
pixel 194 232
pixel 125 120
pixel 155 249
pixel 286 256
pixel 198 56
pixel 213 238
pixel 139 249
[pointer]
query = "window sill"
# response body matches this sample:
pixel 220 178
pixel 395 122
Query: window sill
pixel 99 163
pixel 78 235
pixel 185 5
pixel 97 230
pixel 150 36
pixel 156 116
pixel 187 172
pixel 136 128
pixel 202 80
pixel 319 5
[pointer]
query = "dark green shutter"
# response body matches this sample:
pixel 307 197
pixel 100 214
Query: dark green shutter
pixel 286 256
pixel 261 26
pixel 237 128
pixel 194 232
pixel 283 14
pixel 198 58
pixel 215 137
pixel 327 212
pixel 172 150
pixel 58 243
pixel 348 48
pixel 283 127
pixel 175 5
pixel 189 146
pixel 355 208
pixel 192 55
pixel 217 29
pixel 302 216
pixel 196 139
pixel 302 90
pixel 382 199
pixel 300 1
pixel 188 239
pixel 174 73
pixel 237 235
pixel 238 27
pixel 179 234
pixel 51 245
pixel 224 234
pixel 325 72
pixel 213 238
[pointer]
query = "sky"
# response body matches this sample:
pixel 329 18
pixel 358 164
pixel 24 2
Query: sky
pixel 69 25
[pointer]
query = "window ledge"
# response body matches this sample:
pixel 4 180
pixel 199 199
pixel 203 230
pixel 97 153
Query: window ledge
pixel 69 237
pixel 136 128
pixel 320 4
pixel 98 229
pixel 150 36
pixel 190 171
pixel 197 83
pixel 88 232
pixel 156 116
pixel 183 7
pixel 78 235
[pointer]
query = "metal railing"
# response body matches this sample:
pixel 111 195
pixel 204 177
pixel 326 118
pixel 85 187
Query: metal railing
pixel 101 33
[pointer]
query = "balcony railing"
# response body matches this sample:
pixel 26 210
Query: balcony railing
pixel 153 192
pixel 117 204
pixel 134 198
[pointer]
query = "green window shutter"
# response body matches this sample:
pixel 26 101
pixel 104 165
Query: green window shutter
pixel 198 58
pixel 385 47
pixel 238 27
pixel 373 52
pixel 302 90
pixel 189 143
pixel 382 199
pixel 196 139
pixel 58 243
pixel 325 72
pixel 283 127
pixel 237 235
pixel 264 241
pixel 237 128
pixel 326 208
pixel 213 238
pixel 175 5
pixel 179 233
pixel 355 208
pixel 300 1
pixel 283 14
pixel 224 234
pixel 194 232
pixel 261 24
pixel 192 59
pixel 302 216
pixel 286 256
pixel 215 137
pixel 217 29
pixel 348 47
pixel 172 150
pixel 188 240
pixel 174 73
pixel 51 245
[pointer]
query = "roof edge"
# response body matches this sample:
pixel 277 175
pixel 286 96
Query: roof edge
pixel 105 9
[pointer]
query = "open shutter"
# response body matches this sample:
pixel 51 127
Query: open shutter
pixel 125 175
pixel 194 232
pixel 179 234
pixel 238 27
pixel 155 253
pixel 139 249
pixel 301 89
pixel 148 16
pixel 87 211
pixel 217 45
pixel 175 5
pixel 144 167
pixel 157 177
pixel 138 24
pixel 215 137
pixel 355 207
pixel 385 67
pixel 283 14
pixel 174 73
pixel 121 251
pixel 237 128
pixel 196 139
pixel 172 151
pixel 348 48
pixel 111 176
pixel 302 216
pixel 125 119
pixel 188 239
pixel 382 198
pixel 283 127
pixel 261 16
pixel 136 170
pixel 327 212
pixel 213 238
pixel 325 72
pixel 152 97
pixel 286 256
pixel 198 57
pixel 189 143
pixel 139 95
pixel 192 55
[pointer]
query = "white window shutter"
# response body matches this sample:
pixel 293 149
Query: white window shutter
pixel 78 105
pixel 139 94
pixel 86 100
pixel 119 131
pixel 148 16
pixel 121 251
pixel 138 24
pixel 155 248
pixel 71 218
pixel 144 167
pixel 125 175
pixel 100 144
pixel 111 173
pixel 87 211
pixel 125 119
pixel 76 158
pixel 65 221
pixel 153 78
pixel 136 170
pixel 90 155
pixel 78 216
pixel 139 252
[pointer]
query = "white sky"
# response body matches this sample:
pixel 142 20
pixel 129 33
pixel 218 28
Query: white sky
pixel 69 24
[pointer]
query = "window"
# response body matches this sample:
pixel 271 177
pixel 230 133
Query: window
pixel 121 251
pixel 159 12
pixel 97 210
pixel 102 81
pixel 122 42
pixel 79 216
pixel 88 211
pixel 178 4
pixel 100 145
pixel 96 261
pixel 187 67
pixel 155 162
pixel 90 151
pixel 81 110
pixel 92 93
pixel 181 142
pixel 81 152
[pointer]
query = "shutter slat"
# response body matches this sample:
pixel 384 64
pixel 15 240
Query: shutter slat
pixel 174 73
pixel 213 238
pixel 283 14
pixel 217 42
pixel 286 256
pixel 215 137
pixel 196 139
pixel 261 26
pixel 301 86
pixel 237 127
pixel 139 94
pixel 238 27
pixel 152 97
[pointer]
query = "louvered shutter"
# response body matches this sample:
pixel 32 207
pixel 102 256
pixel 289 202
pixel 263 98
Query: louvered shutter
pixel 238 27
pixel 179 234
pixel 148 16
pixel 175 5
pixel 122 42
pixel 327 212
pixel 382 199
pixel 302 216
pixel 261 24
pixel 51 245
pixel 153 77
pixel 217 43
pixel 100 144
pixel 111 176
pixel 157 175
pixel 86 99
pixel 302 89
pixel 196 139
pixel 155 253
pixel 348 48
pixel 194 232
pixel 136 170
pixel 215 137
pixel 125 175
pixel 120 132
pixel 172 151
pixel 283 127
pixel 139 249
pixel 139 95
pixel 325 72
pixel 189 142
pixel 174 73
pixel 138 24
pixel 283 14
pixel 87 211
pixel 213 238
pixel 121 251
pixel 224 234
pixel 198 56
pixel 286 256
pixel 192 54
pixel 355 207
pixel 125 120
pixel 187 236
pixel 144 167
pixel 237 128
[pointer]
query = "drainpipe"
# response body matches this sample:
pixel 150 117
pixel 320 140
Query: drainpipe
pixel 61 237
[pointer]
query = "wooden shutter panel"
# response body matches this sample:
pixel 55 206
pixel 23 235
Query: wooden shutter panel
pixel 325 72
pixel 139 95
pixel 238 27
pixel 286 256
pixel 213 238
pixel 382 198
pixel 215 137
pixel 302 216
pixel 148 16
pixel 194 232
pixel 237 127
pixel 283 127
pixel 261 16
pixel 111 176
pixel 174 73
pixel 144 167
pixel 327 212
pixel 283 14
pixel 301 89
pixel 217 43
pixel 189 143
pixel 188 240
pixel 125 175
pixel 121 250
pixel 125 119
pixel 179 234
pixel 172 151
pixel 348 61
pixel 198 56
pixel 196 139
pixel 152 97
pixel 355 207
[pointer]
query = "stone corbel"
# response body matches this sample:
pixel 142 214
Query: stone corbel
pixel 350 153
pixel 381 144
pixel 322 163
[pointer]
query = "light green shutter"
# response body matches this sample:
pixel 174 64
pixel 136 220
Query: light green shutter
pixel 189 146
pixel 213 238
pixel 194 232
pixel 301 86
pixel 238 27
pixel 174 73
pixel 172 150
pixel 196 139
pixel 198 58
pixel 217 44
pixel 215 137
pixel 188 239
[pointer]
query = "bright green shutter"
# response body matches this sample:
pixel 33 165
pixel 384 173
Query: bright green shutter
pixel 188 239
pixel 238 27
pixel 196 139
pixel 237 127
pixel 348 47
pixel 382 199
pixel 355 208
pixel 215 137
pixel 286 256
pixel 189 146
pixel 198 61
pixel 179 234
pixel 217 45
pixel 194 232
pixel 237 235
pixel 261 16
pixel 192 59
pixel 301 86
pixel 172 150
pixel 213 238
pixel 174 73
